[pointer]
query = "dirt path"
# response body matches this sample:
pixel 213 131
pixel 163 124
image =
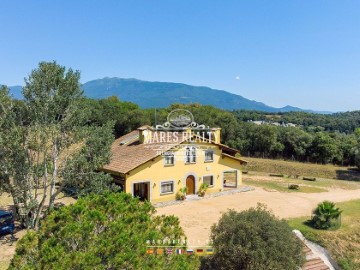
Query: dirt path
pixel 196 217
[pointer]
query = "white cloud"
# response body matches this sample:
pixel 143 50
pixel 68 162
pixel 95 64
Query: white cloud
pixel 237 78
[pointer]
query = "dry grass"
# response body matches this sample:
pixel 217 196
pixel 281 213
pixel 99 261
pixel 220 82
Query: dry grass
pixel 344 243
pixel 8 250
pixel 263 179
pixel 5 200
pixel 302 169
pixel 282 186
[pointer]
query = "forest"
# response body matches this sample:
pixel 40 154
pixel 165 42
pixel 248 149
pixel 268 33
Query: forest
pixel 317 138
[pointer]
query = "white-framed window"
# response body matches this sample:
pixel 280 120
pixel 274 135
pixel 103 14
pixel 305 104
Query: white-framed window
pixel 190 154
pixel 169 158
pixel 208 179
pixel 167 187
pixel 209 155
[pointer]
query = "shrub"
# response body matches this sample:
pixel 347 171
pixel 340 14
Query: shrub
pixel 326 216
pixel 107 231
pixel 254 240
pixel 181 194
pixel 293 186
pixel 202 189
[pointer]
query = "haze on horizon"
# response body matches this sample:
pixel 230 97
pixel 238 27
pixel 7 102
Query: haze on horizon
pixel 299 53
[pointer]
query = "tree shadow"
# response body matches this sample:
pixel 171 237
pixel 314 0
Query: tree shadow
pixel 351 174
pixel 309 223
pixel 209 263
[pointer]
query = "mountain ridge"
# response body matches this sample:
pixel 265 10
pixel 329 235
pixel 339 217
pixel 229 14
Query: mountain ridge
pixel 150 94
pixel 132 89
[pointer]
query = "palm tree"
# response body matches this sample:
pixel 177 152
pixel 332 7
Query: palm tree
pixel 325 214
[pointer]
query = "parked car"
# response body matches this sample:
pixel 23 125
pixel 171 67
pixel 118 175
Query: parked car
pixel 7 224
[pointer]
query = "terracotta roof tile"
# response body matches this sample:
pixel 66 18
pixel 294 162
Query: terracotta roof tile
pixel 128 153
pixel 126 157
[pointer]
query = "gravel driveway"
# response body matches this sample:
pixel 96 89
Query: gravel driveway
pixel 197 216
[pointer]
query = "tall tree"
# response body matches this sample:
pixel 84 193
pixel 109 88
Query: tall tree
pixel 51 94
pixel 19 173
pixel 51 127
pixel 324 148
pixel 357 149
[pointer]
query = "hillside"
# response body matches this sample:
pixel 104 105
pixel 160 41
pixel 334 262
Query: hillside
pixel 328 171
pixel 161 94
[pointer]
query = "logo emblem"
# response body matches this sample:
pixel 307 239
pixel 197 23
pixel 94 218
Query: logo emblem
pixel 180 118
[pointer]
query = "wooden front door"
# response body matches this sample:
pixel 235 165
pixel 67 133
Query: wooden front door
pixel 190 185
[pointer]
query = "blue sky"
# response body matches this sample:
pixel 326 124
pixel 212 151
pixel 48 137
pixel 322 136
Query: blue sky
pixel 302 53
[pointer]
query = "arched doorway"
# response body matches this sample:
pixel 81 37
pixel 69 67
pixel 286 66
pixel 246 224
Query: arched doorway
pixel 190 184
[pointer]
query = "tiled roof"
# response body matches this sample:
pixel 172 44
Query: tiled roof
pixel 128 153
pixel 128 156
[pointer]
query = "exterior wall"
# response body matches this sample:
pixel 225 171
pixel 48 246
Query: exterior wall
pixel 156 171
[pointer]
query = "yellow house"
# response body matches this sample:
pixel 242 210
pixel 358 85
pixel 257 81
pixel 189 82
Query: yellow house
pixel 155 165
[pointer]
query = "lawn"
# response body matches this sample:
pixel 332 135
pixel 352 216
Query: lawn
pixel 344 243
pixel 302 169
pixel 282 186
pixel 281 183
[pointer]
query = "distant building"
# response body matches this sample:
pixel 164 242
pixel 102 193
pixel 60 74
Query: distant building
pixel 262 122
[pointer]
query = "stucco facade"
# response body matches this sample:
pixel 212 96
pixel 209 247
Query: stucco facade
pixel 159 178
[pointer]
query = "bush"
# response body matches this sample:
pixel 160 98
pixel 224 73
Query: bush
pixel 202 189
pixel 293 186
pixel 254 240
pixel 108 231
pixel 181 194
pixel 326 216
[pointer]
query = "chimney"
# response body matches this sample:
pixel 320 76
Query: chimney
pixel 145 134
pixel 215 135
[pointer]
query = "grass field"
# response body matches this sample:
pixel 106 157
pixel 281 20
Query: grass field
pixel 344 243
pixel 282 186
pixel 302 169
pixel 268 182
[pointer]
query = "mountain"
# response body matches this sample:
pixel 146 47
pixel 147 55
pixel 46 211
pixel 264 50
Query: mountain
pixel 161 94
